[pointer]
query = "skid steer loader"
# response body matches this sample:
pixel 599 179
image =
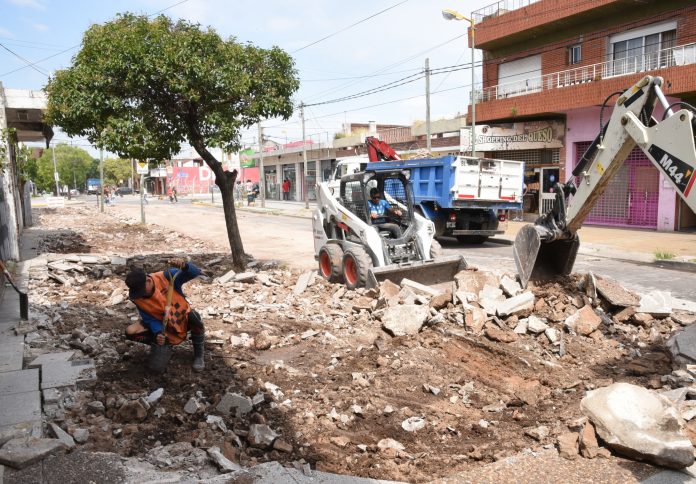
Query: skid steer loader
pixel 350 247
pixel 549 246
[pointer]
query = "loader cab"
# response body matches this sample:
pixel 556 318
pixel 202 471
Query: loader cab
pixel 393 186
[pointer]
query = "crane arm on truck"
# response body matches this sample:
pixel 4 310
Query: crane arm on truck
pixel 378 150
pixel 550 245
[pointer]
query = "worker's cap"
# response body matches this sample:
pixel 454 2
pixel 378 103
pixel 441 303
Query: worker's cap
pixel 135 280
pixel 374 192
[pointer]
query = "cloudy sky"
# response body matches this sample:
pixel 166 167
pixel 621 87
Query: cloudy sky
pixel 370 44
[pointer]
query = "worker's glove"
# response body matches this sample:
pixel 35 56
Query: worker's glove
pixel 160 339
pixel 178 262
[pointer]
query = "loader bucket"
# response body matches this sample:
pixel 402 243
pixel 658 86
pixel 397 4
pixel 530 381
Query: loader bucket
pixel 537 259
pixel 428 272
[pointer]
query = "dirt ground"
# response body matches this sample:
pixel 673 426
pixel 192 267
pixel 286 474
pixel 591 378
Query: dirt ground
pixel 332 383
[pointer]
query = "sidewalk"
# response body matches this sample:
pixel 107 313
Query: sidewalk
pixel 634 245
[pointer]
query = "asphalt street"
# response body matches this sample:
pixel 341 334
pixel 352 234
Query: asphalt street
pixel 289 239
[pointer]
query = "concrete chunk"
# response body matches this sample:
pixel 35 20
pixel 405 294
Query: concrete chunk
pixel 62 435
pixel 224 464
pixel 227 277
pixel 536 325
pixel 20 453
pixel 636 422
pixel 510 286
pixel 522 302
pixel 584 321
pixel 614 293
pixel 240 403
pixel 50 358
pixel 419 288
pixel 656 303
pixel 404 319
pixel 302 283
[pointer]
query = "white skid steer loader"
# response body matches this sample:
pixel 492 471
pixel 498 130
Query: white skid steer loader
pixel 355 244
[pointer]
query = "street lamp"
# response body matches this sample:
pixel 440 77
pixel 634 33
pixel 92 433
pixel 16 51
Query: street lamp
pixel 450 14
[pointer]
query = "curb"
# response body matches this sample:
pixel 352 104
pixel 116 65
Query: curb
pixel 264 211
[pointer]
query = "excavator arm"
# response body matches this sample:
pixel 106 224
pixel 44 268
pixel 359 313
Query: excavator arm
pixel 549 246
pixel 378 150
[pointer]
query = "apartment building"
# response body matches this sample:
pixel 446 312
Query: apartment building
pixel 548 68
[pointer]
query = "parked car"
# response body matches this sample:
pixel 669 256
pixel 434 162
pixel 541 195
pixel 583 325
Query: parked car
pixel 124 191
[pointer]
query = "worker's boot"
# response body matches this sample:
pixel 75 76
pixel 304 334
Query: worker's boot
pixel 159 357
pixel 198 362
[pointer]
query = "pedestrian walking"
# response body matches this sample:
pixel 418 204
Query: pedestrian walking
pixel 174 192
pixel 170 194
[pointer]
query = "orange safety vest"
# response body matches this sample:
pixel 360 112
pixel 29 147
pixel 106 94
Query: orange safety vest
pixel 177 326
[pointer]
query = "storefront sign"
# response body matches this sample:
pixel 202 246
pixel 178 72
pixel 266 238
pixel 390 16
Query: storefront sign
pixel 246 159
pixel 516 136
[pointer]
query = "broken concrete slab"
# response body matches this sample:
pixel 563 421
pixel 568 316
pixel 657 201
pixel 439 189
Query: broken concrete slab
pixel 404 319
pixel 489 297
pixel 51 358
pixel 536 325
pixel 20 381
pixel 227 277
pixel 32 428
pixel 614 293
pixel 656 303
pixel 67 374
pixel 638 423
pixel 420 288
pixel 517 304
pixel 20 407
pixel 473 282
pixel 62 435
pixel 20 453
pixel 245 277
pixel 584 321
pixel 682 345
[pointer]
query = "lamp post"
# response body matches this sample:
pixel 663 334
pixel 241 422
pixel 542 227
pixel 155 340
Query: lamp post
pixel 450 14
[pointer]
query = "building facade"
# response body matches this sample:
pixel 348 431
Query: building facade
pixel 556 63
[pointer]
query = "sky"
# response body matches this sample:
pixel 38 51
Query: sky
pixel 340 49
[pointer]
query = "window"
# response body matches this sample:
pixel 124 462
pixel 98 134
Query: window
pixel 643 49
pixel 574 54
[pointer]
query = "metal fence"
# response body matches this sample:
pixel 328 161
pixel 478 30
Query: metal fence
pixel 499 8
pixel 661 59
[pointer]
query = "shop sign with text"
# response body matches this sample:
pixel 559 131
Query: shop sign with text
pixel 516 136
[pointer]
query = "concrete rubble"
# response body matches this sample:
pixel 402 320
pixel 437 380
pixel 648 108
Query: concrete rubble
pixel 321 378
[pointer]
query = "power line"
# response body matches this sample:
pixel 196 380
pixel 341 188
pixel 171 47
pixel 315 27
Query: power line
pixel 350 26
pixel 29 64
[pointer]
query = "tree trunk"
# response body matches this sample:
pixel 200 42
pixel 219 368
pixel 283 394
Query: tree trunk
pixel 225 180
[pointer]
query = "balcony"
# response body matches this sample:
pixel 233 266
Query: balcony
pixel 661 59
pixel 499 8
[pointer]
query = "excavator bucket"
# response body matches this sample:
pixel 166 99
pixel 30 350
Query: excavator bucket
pixel 538 259
pixel 427 272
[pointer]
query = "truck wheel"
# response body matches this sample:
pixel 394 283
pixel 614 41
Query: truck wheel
pixel 435 249
pixel 330 262
pixel 472 239
pixel 356 264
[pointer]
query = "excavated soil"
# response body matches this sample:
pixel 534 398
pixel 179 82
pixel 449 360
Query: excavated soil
pixel 343 384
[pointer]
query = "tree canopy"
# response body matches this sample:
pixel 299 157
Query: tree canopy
pixel 117 171
pixel 140 87
pixel 73 164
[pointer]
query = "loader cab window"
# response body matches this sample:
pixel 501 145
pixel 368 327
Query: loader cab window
pixel 354 198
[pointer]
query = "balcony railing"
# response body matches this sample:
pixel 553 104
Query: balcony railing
pixel 499 8
pixel 673 56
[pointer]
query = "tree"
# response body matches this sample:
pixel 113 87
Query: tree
pixel 116 171
pixel 73 164
pixel 140 87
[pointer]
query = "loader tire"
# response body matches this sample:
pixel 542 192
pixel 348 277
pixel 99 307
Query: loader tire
pixel 356 265
pixel 331 262
pixel 435 249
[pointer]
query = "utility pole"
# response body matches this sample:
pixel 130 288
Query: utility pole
pixel 262 175
pixel 55 171
pixel 101 180
pixel 427 105
pixel 142 198
pixel 304 157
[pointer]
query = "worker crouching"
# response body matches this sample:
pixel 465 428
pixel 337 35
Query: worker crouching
pixel 166 316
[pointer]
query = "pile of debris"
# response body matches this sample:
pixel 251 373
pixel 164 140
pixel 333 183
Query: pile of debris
pixel 364 382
